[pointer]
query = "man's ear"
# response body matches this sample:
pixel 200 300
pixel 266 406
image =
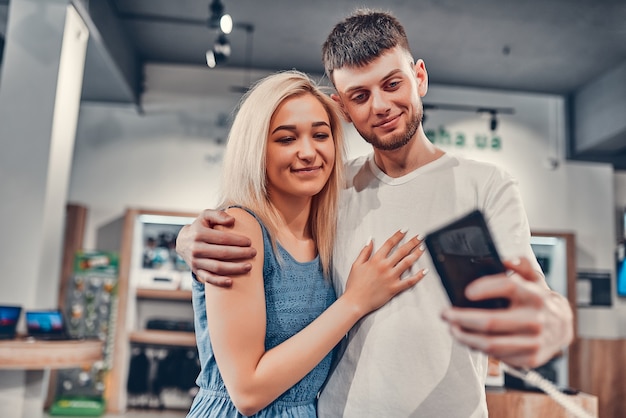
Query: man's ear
pixel 422 77
pixel 337 99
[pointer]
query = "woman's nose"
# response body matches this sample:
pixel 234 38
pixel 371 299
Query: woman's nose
pixel 306 150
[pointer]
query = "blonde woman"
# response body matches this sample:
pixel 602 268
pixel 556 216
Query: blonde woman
pixel 266 342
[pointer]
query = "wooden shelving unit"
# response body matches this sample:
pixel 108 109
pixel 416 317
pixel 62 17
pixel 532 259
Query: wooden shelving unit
pixel 162 294
pixel 164 338
pixel 28 354
pixel 511 403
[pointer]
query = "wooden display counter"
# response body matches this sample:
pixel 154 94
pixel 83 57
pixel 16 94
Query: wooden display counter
pixel 28 354
pixel 508 403
pixel 164 338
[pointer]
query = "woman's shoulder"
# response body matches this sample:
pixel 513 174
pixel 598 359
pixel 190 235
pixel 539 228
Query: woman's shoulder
pixel 246 221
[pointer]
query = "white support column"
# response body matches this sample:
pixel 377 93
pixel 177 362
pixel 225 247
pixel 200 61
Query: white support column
pixel 40 87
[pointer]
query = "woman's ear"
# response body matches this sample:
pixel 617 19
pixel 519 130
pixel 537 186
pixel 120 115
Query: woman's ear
pixel 337 100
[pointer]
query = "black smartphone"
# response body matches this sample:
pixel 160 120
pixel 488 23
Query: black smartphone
pixel 463 251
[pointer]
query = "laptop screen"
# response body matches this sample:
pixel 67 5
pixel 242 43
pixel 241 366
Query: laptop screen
pixel 9 316
pixel 45 324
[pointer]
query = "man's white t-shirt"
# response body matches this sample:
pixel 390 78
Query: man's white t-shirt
pixel 401 361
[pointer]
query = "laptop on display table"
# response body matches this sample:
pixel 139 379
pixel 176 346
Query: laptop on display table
pixel 46 325
pixel 9 317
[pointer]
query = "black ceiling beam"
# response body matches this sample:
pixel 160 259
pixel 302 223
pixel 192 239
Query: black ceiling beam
pixel 109 48
pixel 156 18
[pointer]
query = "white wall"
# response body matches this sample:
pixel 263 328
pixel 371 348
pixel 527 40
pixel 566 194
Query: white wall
pixel 558 195
pixel 169 159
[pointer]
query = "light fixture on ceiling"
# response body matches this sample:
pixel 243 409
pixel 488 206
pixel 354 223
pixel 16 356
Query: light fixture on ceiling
pixel 493 122
pixel 223 23
pixel 492 115
pixel 492 112
pixel 226 24
pixel 218 19
pixel 219 53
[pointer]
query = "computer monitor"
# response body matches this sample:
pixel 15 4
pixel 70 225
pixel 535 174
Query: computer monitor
pixel 620 270
pixel 9 317
pixel 46 325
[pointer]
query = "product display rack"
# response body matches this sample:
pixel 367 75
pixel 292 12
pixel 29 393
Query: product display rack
pixel 163 337
pixel 151 282
pixel 90 304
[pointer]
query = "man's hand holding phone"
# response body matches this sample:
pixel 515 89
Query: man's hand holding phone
pixel 503 308
pixel 535 326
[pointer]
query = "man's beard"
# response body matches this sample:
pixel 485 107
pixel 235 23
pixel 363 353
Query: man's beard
pixel 396 141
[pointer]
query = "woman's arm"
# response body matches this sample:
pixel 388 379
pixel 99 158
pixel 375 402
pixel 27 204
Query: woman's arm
pixel 236 319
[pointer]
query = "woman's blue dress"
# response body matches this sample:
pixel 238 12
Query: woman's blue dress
pixel 295 294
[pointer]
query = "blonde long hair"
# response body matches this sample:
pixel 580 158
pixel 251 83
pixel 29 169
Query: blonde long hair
pixel 244 179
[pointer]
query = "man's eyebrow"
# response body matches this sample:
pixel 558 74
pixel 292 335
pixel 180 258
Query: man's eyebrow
pixel 293 127
pixel 386 77
pixel 353 88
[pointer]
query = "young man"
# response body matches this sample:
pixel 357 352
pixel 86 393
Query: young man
pixel 401 360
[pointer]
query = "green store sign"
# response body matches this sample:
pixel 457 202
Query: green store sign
pixel 480 141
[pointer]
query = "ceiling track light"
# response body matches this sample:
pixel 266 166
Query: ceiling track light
pixel 492 111
pixel 220 52
pixel 221 48
pixel 493 122
pixel 218 19
pixel 223 23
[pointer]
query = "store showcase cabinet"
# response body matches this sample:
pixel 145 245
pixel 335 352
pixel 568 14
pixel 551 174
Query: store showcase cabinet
pixel 154 297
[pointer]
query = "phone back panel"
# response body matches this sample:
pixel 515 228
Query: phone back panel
pixel 463 251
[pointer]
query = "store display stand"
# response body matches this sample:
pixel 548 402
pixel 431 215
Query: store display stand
pixel 90 306
pixel 151 282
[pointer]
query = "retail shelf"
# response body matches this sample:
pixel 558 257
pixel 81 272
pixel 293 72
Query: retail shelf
pixel 29 354
pixel 166 338
pixel 165 294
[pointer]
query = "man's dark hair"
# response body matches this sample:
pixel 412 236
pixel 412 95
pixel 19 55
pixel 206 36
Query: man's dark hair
pixel 361 38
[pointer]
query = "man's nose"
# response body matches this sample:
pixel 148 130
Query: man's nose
pixel 380 102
